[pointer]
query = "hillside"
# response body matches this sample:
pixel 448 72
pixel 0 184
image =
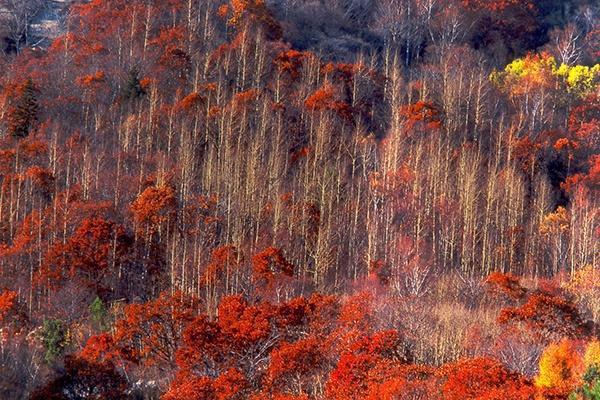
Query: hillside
pixel 300 200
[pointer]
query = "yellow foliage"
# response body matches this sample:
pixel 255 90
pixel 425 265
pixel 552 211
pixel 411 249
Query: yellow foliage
pixel 538 70
pixel 592 355
pixel 530 71
pixel 241 6
pixel 556 222
pixel 585 286
pixel 586 279
pixel 560 367
pixel 582 78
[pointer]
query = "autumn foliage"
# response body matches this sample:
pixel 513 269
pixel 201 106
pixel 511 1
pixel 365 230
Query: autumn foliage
pixel 299 200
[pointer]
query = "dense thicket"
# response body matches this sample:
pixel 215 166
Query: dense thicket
pixel 303 200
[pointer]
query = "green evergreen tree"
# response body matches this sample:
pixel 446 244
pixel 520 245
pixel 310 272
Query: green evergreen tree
pixel 98 313
pixel 133 88
pixel 591 386
pixel 23 115
pixel 54 338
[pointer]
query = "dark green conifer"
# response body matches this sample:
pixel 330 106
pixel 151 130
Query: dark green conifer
pixel 133 88
pixel 23 114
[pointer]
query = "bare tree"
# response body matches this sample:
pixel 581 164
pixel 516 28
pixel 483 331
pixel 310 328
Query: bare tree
pixel 566 44
pixel 16 17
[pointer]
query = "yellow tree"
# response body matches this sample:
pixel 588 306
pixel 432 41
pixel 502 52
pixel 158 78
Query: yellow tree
pixel 591 358
pixel 560 368
pixel 555 227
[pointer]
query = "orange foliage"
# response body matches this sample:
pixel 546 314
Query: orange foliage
pixel 90 252
pixel 556 223
pixel 92 79
pixel 484 379
pixel 326 99
pixel 369 362
pixel 41 178
pixel 547 315
pixel 315 312
pixel 291 362
pixel 505 284
pixel 560 368
pixel 268 264
pixel 8 301
pixel 228 386
pixel 407 382
pixel 565 144
pixel 593 177
pixel 154 207
pixel 224 261
pixel 203 342
pixel 526 153
pixel 99 349
pixel 190 102
pixel 244 98
pixel 353 375
pixel 290 61
pixel 243 322
pixel 183 388
pixel 223 10
pixel 421 112
pixel 584 121
pixel 150 332
pixel 253 11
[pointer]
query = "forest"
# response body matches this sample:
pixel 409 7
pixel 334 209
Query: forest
pixel 300 200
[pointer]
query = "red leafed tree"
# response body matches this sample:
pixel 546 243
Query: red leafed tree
pixel 354 374
pixel 355 318
pixel 327 98
pixel 290 61
pixel 268 265
pixel 99 349
pixel 154 208
pixel 190 103
pixel 295 367
pixel 222 274
pixel 407 382
pixel 184 388
pixel 316 314
pixel 92 255
pixel 484 379
pixel 526 154
pixel 255 12
pixel 387 344
pixel 548 316
pixel 12 313
pixel 233 349
pixel 231 385
pixel 23 114
pixel 501 285
pixel 421 113
pixel 203 348
pixel 241 338
pixel 593 177
pixel 245 324
pixel 369 362
pixel 150 333
pixel 8 300
pixel 42 180
pixel 584 122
